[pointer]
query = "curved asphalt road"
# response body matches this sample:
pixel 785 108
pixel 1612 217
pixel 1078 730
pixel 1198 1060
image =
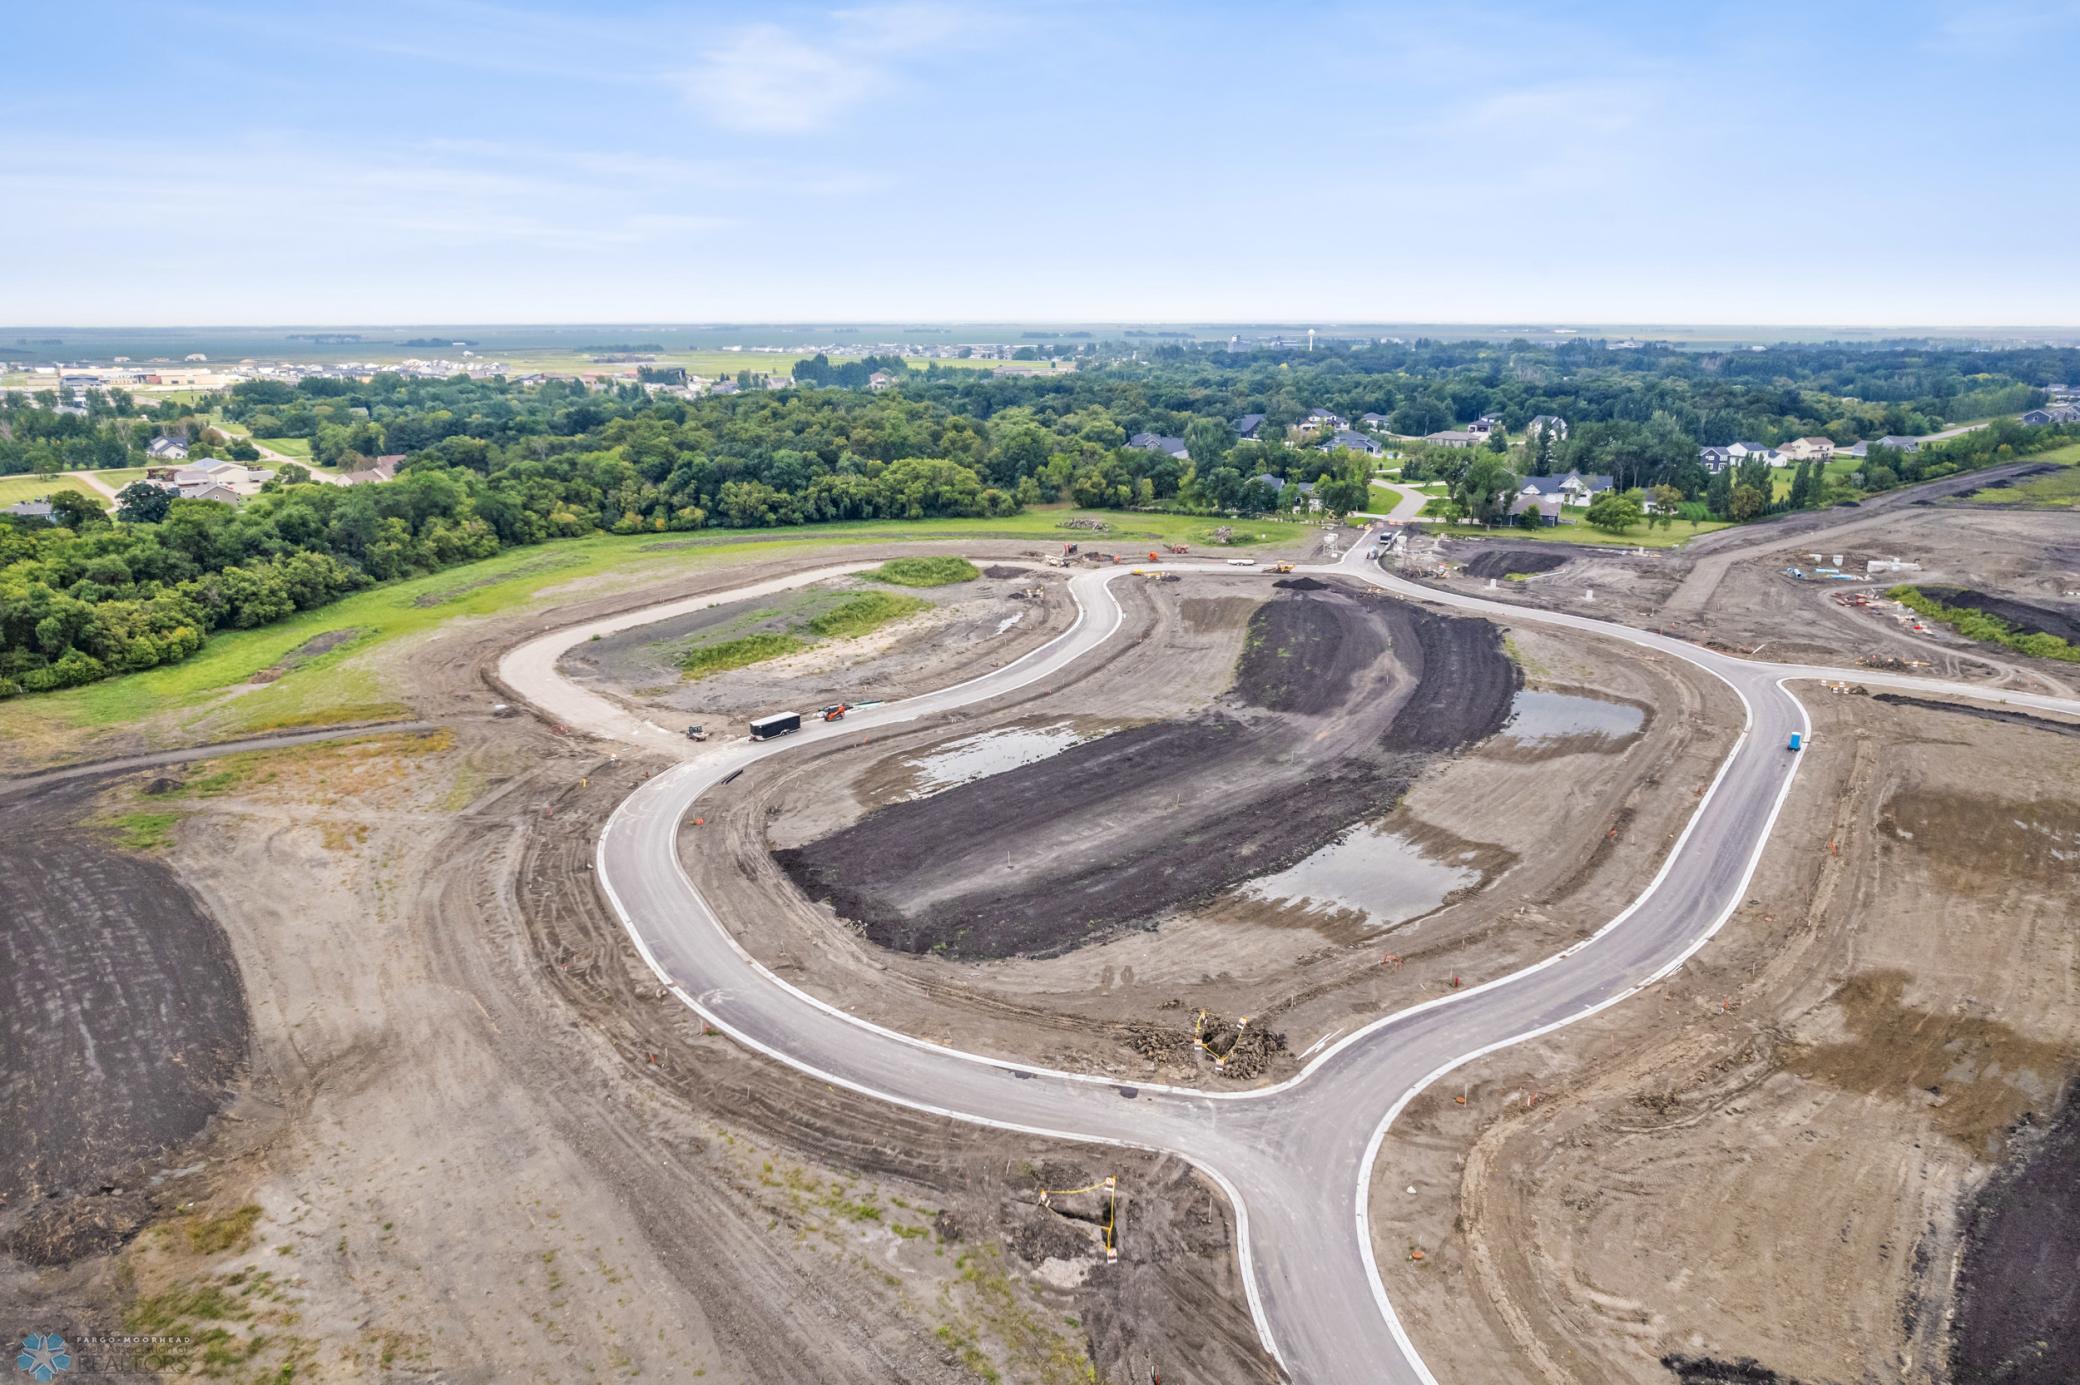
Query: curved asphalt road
pixel 1295 1159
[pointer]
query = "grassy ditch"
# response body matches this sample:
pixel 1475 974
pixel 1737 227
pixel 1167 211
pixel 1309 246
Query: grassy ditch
pixel 924 572
pixel 867 612
pixel 851 616
pixel 738 653
pixel 1988 629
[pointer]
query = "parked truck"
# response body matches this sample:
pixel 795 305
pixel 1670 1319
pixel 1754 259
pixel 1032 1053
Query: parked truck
pixel 778 724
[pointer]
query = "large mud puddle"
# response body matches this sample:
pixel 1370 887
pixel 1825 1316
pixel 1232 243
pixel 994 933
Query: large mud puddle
pixel 1373 877
pixel 1541 720
pixel 992 752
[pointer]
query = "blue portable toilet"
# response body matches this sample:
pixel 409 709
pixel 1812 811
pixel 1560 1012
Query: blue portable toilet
pixel 1794 740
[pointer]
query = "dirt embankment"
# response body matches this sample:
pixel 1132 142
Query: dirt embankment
pixel 1496 561
pixel 1760 1170
pixel 2018 1312
pixel 2026 616
pixel 473 1141
pixel 1339 701
pixel 123 1021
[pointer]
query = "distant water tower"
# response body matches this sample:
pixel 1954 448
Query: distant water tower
pixel 1310 339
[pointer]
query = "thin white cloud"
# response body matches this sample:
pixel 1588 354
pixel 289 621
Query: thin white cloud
pixel 767 78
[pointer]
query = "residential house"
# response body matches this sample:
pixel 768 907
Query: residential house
pixel 1158 442
pixel 880 380
pixel 1305 498
pixel 1484 425
pixel 29 512
pixel 723 387
pixel 167 450
pixel 234 477
pixel 1808 450
pixel 1754 451
pixel 1713 459
pixel 1376 422
pixel 1455 437
pixel 1355 441
pixel 1322 418
pixel 1859 449
pixel 1546 507
pixel 222 495
pixel 1899 443
pixel 1574 489
pixel 1546 423
pixel 2059 413
pixel 379 470
pixel 1248 425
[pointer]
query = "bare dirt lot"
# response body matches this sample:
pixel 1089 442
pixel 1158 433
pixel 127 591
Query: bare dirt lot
pixel 1776 1166
pixel 1498 853
pixel 1751 602
pixel 467 1141
pixel 990 620
pixel 1057 853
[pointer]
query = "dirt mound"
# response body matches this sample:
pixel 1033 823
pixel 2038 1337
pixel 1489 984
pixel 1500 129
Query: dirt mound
pixel 1302 652
pixel 108 1065
pixel 2013 718
pixel 1501 562
pixel 2025 616
pixel 1710 1370
pixel 1111 833
pixel 1000 570
pixel 1301 584
pixel 2004 482
pixel 2018 1318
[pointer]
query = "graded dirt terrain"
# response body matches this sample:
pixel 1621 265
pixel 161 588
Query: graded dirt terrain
pixel 2027 616
pixel 1775 1165
pixel 1746 599
pixel 1057 853
pixel 992 619
pixel 469 1142
pixel 1499 854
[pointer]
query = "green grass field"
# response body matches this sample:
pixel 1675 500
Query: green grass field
pixel 14 489
pixel 2060 489
pixel 298 448
pixel 742 652
pixel 340 684
pixel 1640 536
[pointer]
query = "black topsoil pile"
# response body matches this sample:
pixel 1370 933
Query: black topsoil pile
pixel 2018 1312
pixel 1501 562
pixel 1340 700
pixel 2025 616
pixel 122 1020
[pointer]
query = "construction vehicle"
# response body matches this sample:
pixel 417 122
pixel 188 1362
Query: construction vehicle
pixel 778 724
pixel 1281 567
pixel 696 732
pixel 835 712
pixel 1176 548
pixel 1067 549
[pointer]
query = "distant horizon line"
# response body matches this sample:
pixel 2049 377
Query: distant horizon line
pixel 1293 324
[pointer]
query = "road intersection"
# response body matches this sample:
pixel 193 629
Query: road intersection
pixel 1295 1159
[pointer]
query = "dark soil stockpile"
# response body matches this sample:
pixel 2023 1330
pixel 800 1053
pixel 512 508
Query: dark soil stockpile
pixel 124 1025
pixel 2018 1317
pixel 1501 562
pixel 2025 616
pixel 2001 714
pixel 1340 701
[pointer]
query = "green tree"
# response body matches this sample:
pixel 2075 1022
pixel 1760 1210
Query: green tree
pixel 1747 503
pixel 1613 513
pixel 143 502
pixel 1484 489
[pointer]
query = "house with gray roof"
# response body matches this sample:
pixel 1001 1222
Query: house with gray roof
pixel 1355 441
pixel 1547 423
pixel 1573 489
pixel 29 512
pixel 1899 443
pixel 1159 442
pixel 1248 425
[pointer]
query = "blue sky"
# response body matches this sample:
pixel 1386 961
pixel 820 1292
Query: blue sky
pixel 451 160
